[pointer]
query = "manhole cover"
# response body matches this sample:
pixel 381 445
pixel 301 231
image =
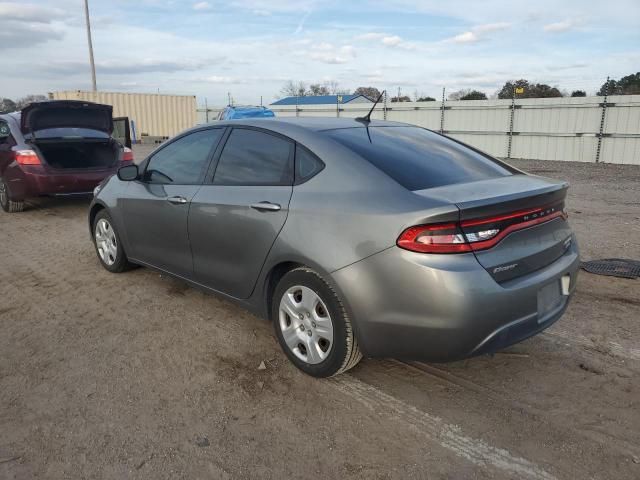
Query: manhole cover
pixel 615 267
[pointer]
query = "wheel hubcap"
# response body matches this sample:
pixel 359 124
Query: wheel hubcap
pixel 3 193
pixel 106 242
pixel 306 325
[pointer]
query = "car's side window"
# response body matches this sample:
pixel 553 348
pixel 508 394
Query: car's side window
pixel 307 164
pixel 184 160
pixel 252 157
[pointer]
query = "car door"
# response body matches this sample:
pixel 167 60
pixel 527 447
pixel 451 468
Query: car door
pixel 156 207
pixel 236 216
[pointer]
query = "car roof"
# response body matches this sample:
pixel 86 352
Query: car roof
pixel 316 124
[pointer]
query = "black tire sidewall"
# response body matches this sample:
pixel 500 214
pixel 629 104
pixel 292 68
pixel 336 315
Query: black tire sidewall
pixel 121 260
pixel 339 350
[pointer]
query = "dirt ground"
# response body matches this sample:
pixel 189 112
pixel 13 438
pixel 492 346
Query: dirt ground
pixel 139 376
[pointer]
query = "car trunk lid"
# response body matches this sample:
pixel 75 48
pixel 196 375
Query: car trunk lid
pixel 516 224
pixel 66 114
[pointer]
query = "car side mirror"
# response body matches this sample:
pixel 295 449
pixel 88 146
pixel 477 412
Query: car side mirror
pixel 128 173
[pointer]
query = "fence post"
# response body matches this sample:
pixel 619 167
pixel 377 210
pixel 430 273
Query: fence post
pixel 513 110
pixel 297 113
pixel 206 110
pixel 385 104
pixel 442 113
pixel 602 118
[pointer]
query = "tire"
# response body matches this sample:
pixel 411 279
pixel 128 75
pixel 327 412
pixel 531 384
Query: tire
pixel 8 205
pixel 108 245
pixel 321 343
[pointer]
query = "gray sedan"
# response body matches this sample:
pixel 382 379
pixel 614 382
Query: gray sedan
pixel 353 237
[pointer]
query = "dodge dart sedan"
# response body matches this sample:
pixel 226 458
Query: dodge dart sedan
pixel 354 237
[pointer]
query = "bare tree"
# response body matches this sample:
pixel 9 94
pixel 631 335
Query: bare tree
pixel 294 89
pixel 316 89
pixel 7 105
pixel 26 100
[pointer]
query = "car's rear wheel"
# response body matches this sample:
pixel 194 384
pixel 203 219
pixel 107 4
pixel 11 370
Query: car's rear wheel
pixel 108 245
pixel 7 204
pixel 312 325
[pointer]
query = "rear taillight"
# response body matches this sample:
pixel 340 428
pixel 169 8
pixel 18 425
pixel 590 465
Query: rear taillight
pixel 475 234
pixel 127 155
pixel 26 157
pixel 437 238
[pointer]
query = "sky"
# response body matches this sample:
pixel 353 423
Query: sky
pixel 250 48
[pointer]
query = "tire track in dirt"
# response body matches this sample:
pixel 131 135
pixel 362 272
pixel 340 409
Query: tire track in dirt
pixel 434 428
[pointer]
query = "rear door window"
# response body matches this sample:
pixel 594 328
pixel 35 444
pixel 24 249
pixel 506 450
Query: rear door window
pixel 184 160
pixel 252 157
pixel 417 158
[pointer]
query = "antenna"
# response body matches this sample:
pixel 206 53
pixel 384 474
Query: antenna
pixel 367 117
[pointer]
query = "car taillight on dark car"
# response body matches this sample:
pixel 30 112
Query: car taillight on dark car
pixel 476 234
pixel 26 157
pixel 127 155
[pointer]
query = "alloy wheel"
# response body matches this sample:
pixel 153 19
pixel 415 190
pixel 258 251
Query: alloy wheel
pixel 106 242
pixel 306 324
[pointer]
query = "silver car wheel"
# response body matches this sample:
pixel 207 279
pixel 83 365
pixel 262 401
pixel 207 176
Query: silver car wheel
pixel 106 242
pixel 306 325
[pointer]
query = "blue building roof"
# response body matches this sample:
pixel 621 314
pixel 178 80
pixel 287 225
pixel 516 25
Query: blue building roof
pixel 316 100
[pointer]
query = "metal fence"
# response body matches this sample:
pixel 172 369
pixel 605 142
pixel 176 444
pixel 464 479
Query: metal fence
pixel 585 129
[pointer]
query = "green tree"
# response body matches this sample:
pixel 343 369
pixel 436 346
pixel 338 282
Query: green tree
pixel 425 99
pixel 474 95
pixel 372 93
pixel 403 98
pixel 531 90
pixel 629 85
pixel 578 93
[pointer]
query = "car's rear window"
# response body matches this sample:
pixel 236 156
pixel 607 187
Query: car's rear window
pixel 417 158
pixel 69 132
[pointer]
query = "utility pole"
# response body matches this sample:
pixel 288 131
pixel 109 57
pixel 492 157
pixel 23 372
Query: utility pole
pixel 93 66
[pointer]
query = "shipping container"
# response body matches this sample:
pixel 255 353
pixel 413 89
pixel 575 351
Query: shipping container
pixel 153 115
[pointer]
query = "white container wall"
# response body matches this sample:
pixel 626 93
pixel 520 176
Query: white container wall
pixel 155 115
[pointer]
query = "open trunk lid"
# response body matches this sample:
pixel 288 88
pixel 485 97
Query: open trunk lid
pixel 66 114
pixel 516 224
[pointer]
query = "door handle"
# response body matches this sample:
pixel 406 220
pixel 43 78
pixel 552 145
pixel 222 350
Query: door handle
pixel 266 207
pixel 177 200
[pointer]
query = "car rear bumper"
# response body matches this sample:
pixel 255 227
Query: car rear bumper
pixel 34 181
pixel 442 308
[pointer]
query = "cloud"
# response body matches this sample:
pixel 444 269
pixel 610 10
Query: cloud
pixel 560 27
pixel 261 12
pixel 326 53
pixel 392 41
pixel 386 40
pixel 466 37
pixel 26 25
pixel 123 67
pixel 28 12
pixel 478 33
pixel 202 6
pixel 301 23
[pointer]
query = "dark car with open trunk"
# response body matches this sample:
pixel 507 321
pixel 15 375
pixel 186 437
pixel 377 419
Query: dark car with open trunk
pixel 62 147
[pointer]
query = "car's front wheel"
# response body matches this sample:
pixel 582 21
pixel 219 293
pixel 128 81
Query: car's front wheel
pixel 108 245
pixel 7 204
pixel 312 325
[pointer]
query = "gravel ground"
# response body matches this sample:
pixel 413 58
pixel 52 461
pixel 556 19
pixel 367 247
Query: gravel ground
pixel 139 376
